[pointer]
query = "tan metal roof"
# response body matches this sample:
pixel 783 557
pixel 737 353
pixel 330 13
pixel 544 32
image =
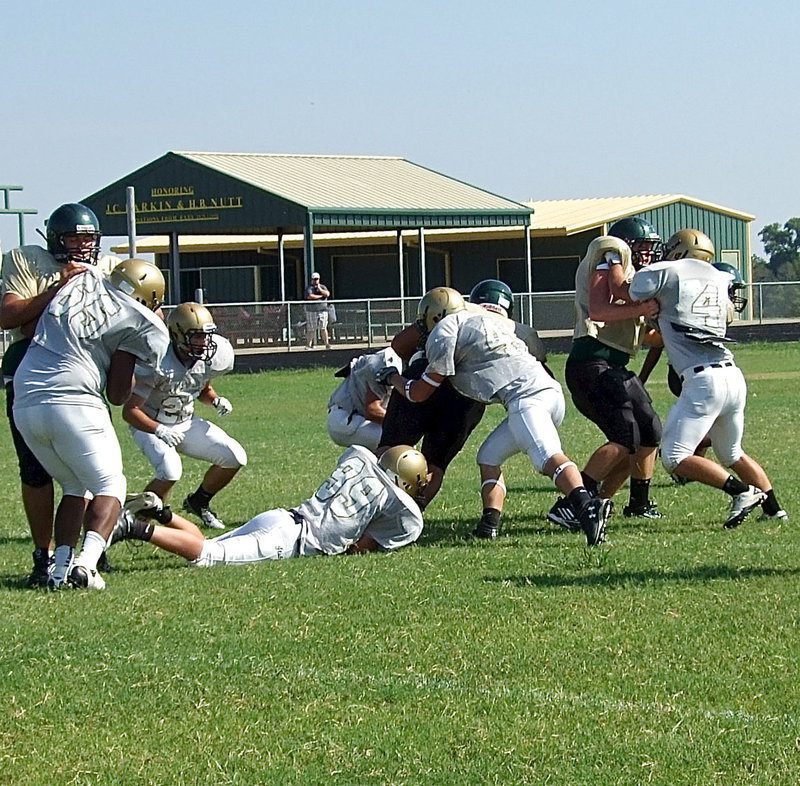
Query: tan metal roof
pixel 352 182
pixel 568 216
pixel 550 217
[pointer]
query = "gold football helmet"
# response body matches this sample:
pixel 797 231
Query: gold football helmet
pixel 407 468
pixel 141 281
pixel 689 243
pixel 191 330
pixel 436 305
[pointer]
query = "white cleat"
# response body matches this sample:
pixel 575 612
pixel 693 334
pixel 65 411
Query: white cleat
pixel 144 504
pixel 206 515
pixel 742 505
pixel 781 515
pixel 82 577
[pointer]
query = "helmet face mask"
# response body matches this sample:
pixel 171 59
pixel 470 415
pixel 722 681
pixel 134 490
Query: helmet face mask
pixel 735 288
pixel 191 331
pixel 436 305
pixel 140 280
pixel 407 469
pixel 73 234
pixel 494 295
pixel 689 243
pixel 643 240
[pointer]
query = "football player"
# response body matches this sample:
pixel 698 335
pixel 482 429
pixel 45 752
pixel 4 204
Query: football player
pixel 695 299
pixel 608 331
pixel 484 360
pixel 356 409
pixel 161 411
pixel 367 504
pixel 445 420
pixel 86 344
pixel 32 277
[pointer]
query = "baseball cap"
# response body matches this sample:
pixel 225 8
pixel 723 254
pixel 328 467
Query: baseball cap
pixel 314 275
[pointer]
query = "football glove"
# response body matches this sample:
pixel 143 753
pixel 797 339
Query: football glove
pixel 169 436
pixel 222 405
pixel 382 375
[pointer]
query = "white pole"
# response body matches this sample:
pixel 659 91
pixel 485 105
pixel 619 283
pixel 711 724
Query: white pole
pixel 422 278
pixel 130 210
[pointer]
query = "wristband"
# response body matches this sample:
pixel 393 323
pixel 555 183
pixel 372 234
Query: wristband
pixel 409 383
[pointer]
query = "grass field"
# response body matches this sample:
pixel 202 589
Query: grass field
pixel 669 656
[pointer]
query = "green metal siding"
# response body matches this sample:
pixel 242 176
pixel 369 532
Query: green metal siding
pixel 727 233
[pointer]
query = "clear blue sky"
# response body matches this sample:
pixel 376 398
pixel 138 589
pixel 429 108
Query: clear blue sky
pixel 531 100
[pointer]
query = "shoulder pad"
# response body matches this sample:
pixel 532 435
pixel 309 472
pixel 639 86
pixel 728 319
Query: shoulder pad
pixel 598 247
pixel 223 359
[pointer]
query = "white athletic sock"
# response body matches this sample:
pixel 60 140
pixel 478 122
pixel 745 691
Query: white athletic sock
pixel 93 546
pixel 62 562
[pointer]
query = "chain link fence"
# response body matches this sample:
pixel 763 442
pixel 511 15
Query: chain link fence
pixel 372 323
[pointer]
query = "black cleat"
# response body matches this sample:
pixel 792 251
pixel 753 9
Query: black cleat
pixel 593 517
pixel 562 514
pixel 103 565
pixel 647 511
pixel 486 529
pixel 42 563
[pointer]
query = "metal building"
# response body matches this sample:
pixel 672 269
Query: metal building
pixel 365 264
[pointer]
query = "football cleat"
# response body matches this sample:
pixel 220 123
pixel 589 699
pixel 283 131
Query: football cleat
pixel 103 565
pixel 146 504
pixel 742 505
pixel 60 569
pixel 122 528
pixel 593 517
pixel 486 529
pixel 82 577
pixel 206 515
pixel 780 515
pixel 562 514
pixel 647 511
pixel 42 565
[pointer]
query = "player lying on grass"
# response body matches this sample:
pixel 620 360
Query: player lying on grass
pixel 367 504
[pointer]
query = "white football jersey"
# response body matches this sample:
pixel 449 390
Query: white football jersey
pixel 81 328
pixel 358 497
pixel 170 389
pixel 351 395
pixel 30 270
pixel 484 359
pixel 693 300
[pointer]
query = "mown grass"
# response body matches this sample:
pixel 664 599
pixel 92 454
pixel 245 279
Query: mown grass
pixel 669 656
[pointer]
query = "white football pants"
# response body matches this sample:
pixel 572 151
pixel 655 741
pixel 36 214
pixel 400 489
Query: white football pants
pixel 273 534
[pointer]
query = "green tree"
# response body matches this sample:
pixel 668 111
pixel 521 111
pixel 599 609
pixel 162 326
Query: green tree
pixel 782 244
